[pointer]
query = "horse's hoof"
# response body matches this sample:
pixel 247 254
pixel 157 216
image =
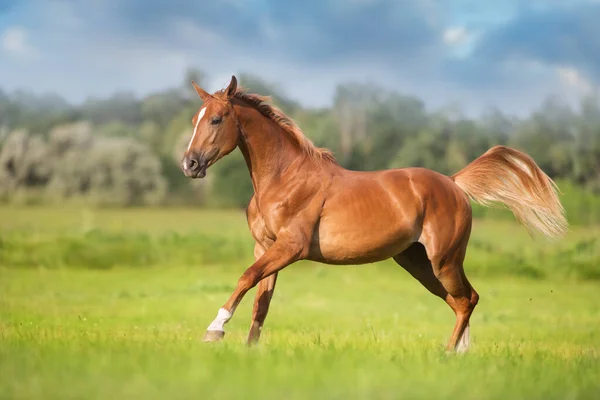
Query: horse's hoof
pixel 253 335
pixel 213 336
pixel 252 341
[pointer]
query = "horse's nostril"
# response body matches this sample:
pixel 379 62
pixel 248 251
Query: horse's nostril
pixel 192 164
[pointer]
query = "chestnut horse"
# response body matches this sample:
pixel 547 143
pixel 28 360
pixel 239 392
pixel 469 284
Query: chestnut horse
pixel 307 207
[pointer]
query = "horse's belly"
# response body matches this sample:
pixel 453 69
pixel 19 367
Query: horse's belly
pixel 340 241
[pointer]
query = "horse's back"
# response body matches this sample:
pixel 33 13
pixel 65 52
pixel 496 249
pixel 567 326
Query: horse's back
pixel 415 187
pixel 432 186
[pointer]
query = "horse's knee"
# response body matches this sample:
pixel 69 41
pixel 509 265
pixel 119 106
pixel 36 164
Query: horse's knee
pixel 474 297
pixel 248 280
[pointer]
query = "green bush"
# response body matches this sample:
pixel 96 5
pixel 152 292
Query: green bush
pixel 578 261
pixel 231 185
pixel 582 207
pixel 74 164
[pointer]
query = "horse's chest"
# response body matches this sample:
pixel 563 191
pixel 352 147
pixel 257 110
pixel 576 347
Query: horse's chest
pixel 260 232
pixel 268 225
pixel 263 226
pixel 279 211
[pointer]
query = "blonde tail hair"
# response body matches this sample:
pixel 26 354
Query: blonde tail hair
pixel 511 177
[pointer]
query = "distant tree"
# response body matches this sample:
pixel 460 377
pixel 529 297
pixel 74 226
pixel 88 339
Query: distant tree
pixel 231 185
pixel 23 163
pixel 75 164
pixel 350 108
pixel 321 127
pixel 122 106
pixel 586 147
pixel 396 119
pixel 162 107
pixel 116 129
pixel 104 170
pixel 255 84
pixel 127 150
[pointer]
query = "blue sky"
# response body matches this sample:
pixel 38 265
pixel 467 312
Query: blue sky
pixel 510 54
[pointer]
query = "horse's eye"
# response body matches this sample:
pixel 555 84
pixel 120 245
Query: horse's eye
pixel 216 120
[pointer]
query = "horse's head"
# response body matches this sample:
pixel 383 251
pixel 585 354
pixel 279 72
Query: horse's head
pixel 216 131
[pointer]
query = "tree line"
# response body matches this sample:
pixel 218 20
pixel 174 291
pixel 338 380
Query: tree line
pixel 125 151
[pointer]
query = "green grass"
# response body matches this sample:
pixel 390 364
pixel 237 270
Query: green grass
pixel 130 327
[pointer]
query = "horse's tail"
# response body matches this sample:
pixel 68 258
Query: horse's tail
pixel 511 177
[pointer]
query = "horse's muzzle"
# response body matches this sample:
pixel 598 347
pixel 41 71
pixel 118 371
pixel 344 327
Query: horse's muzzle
pixel 194 166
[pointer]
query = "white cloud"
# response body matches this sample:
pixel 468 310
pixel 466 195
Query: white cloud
pixel 574 79
pixel 456 35
pixel 14 40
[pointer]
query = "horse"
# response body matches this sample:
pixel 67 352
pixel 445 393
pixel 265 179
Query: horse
pixel 306 206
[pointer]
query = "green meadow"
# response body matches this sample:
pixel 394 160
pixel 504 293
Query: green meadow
pixel 108 303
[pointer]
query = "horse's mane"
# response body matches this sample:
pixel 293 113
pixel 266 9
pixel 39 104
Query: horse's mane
pixel 264 105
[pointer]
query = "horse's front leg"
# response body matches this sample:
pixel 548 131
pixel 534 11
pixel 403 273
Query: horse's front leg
pixel 262 300
pixel 264 294
pixel 286 250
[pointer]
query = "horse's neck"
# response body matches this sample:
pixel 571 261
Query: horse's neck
pixel 267 149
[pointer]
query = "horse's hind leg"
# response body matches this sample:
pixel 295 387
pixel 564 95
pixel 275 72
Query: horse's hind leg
pixel 462 298
pixel 414 260
pixel 463 343
pixel 447 281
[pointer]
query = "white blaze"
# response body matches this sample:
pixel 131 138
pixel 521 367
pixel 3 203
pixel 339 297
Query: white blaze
pixel 200 115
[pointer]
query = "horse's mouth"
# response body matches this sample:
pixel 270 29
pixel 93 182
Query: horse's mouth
pixel 201 173
pixel 199 167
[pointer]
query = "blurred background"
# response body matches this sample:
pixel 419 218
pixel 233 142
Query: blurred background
pixel 96 102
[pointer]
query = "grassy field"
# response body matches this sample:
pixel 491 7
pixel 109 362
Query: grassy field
pixel 113 304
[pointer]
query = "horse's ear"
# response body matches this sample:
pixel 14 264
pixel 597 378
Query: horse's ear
pixel 201 92
pixel 232 88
